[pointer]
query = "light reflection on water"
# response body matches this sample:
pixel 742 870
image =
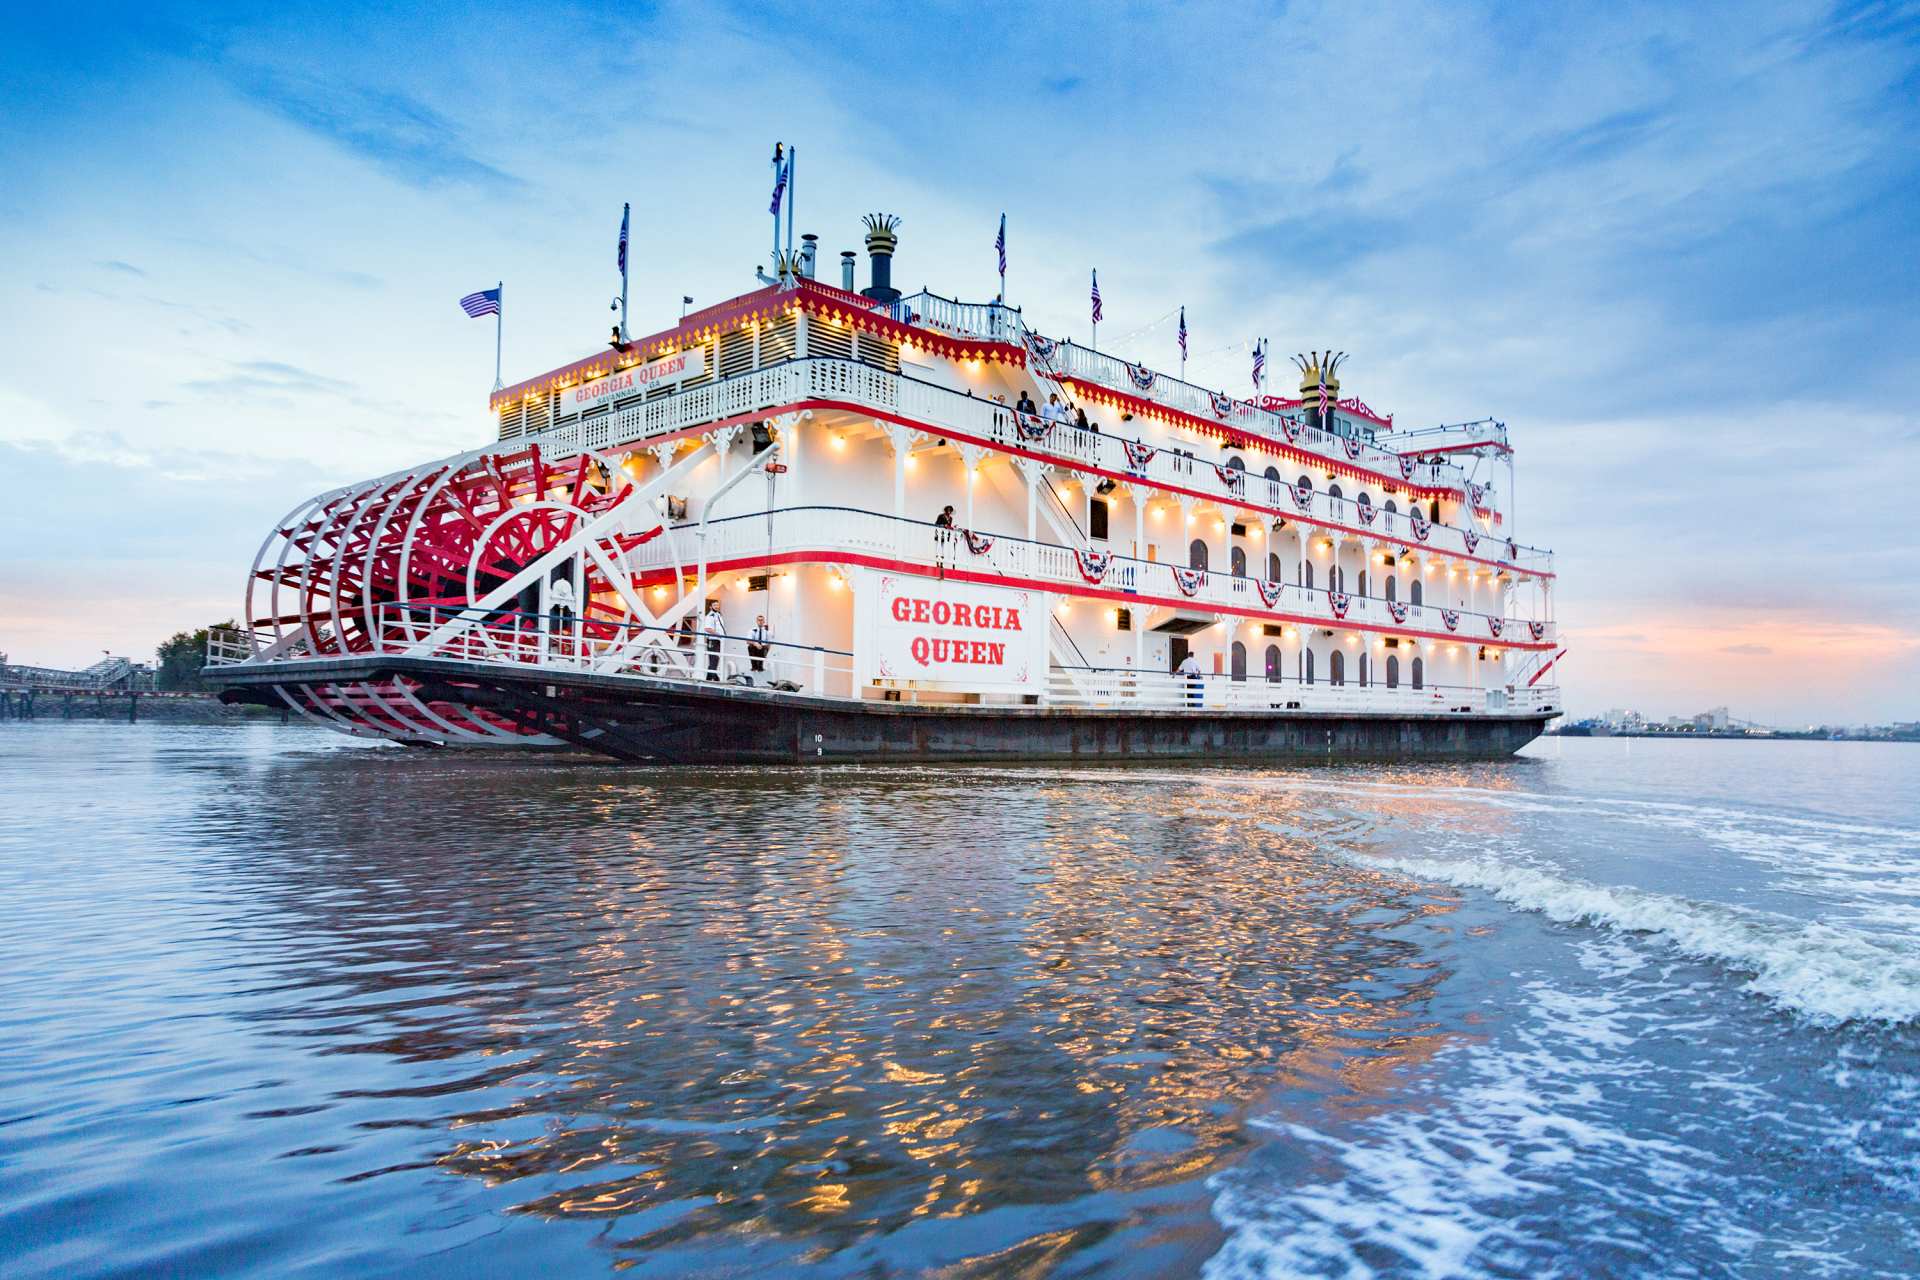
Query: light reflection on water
pixel 273 1002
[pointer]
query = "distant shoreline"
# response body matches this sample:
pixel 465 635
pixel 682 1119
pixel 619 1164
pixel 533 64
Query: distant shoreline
pixel 1711 736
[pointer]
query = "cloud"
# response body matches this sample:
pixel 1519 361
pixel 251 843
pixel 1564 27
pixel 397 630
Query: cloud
pixel 125 268
pixel 273 377
pixel 1748 650
pixel 396 132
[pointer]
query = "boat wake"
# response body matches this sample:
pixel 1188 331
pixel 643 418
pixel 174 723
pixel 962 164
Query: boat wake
pixel 1826 974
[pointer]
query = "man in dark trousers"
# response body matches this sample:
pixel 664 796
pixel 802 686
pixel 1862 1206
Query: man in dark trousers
pixel 757 644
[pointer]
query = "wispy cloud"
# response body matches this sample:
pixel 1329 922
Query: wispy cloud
pixel 394 131
pixel 124 268
pixel 269 377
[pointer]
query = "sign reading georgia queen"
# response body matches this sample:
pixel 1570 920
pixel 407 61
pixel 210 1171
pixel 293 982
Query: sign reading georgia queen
pixel 959 635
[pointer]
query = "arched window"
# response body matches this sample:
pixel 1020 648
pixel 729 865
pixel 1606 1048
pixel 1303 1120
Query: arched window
pixel 1305 482
pixel 1363 582
pixel 1238 558
pixel 1393 587
pixel 1306 574
pixel 1362 500
pixel 1366 664
pixel 1273 474
pixel 1419 674
pixel 1306 657
pixel 1197 554
pixel 1239 661
pixel 1335 577
pixel 1237 463
pixel 1336 667
pixel 1273 664
pixel 1390 509
pixel 1273 566
pixel 1414 591
pixel 1393 671
pixel 1333 491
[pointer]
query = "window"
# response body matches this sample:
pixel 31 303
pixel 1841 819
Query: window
pixel 1434 511
pixel 1363 582
pixel 1414 593
pixel 1273 566
pixel 1097 519
pixel 1305 482
pixel 1306 657
pixel 1306 574
pixel 1336 667
pixel 1333 491
pixel 1273 474
pixel 1393 672
pixel 1393 587
pixel 1197 554
pixel 1238 557
pixel 1419 674
pixel 1123 619
pixel 1390 509
pixel 1273 664
pixel 1239 661
pixel 1362 499
pixel 1366 663
pixel 1238 464
pixel 1336 577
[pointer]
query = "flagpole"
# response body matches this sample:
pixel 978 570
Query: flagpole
pixel 499 323
pixel 792 154
pixel 779 158
pixel 626 213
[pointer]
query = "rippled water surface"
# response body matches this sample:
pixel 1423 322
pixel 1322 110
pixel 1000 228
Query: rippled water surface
pixel 274 1003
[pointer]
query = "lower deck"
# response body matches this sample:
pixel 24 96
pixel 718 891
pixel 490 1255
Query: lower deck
pixel 656 720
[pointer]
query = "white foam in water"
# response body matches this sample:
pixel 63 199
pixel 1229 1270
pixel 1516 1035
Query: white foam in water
pixel 1820 972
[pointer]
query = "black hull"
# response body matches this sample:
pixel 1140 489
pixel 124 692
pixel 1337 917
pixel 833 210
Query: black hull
pixel 679 722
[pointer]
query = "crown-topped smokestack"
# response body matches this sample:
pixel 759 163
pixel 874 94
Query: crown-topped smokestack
pixel 1313 366
pixel 881 241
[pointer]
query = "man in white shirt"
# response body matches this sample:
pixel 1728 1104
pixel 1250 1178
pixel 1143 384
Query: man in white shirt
pixel 757 644
pixel 1055 411
pixel 1190 668
pixel 714 630
pixel 560 612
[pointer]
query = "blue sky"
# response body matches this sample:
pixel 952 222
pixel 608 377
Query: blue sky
pixel 1675 248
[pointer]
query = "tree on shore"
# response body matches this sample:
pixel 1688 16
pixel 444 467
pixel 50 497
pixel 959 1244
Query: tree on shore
pixel 181 657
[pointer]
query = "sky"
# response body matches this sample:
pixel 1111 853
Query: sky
pixel 1675 248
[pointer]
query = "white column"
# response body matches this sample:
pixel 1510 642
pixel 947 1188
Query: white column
pixel 1139 525
pixel 970 463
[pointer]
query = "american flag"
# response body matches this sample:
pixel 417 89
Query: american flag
pixel 1000 246
pixel 1259 363
pixel 620 258
pixel 1183 333
pixel 1097 315
pixel 484 303
pixel 779 182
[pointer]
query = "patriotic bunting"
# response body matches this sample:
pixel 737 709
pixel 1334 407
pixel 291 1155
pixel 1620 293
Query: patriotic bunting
pixel 1290 428
pixel 1222 403
pixel 1421 525
pixel 1399 610
pixel 1473 539
pixel 1269 592
pixel 1364 505
pixel 1538 629
pixel 1041 349
pixel 1352 447
pixel 1302 491
pixel 1230 476
pixel 1338 601
pixel 1479 492
pixel 1139 454
pixel 978 543
pixel 1495 626
pixel 1093 564
pixel 1188 580
pixel 1451 617
pixel 1031 426
pixel 1406 467
pixel 1142 377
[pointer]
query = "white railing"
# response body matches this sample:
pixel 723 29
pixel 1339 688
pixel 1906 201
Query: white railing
pixel 1098 688
pixel 826 530
pixel 869 387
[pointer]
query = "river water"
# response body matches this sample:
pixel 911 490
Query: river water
pixel 278 1003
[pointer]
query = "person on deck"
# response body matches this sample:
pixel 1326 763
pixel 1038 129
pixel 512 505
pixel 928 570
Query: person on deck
pixel 757 643
pixel 1190 668
pixel 560 603
pixel 715 630
pixel 1055 411
pixel 1025 404
pixel 943 538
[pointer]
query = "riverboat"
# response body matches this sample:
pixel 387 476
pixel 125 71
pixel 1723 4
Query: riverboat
pixel 823 522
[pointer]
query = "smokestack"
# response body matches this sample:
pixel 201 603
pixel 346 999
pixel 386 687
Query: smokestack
pixel 846 269
pixel 881 242
pixel 808 245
